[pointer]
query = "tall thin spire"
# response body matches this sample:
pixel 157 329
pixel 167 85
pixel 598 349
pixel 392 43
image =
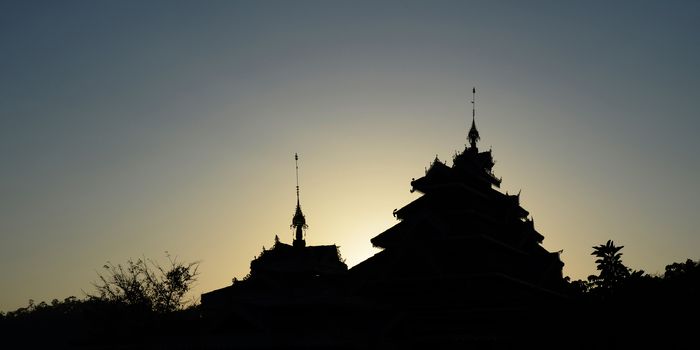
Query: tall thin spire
pixel 473 135
pixel 296 164
pixel 473 103
pixel 298 221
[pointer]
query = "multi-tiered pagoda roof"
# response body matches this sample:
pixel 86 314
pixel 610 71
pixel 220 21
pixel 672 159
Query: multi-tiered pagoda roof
pixel 462 236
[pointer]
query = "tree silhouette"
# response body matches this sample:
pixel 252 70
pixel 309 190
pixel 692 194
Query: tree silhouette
pixel 145 283
pixel 681 270
pixel 612 271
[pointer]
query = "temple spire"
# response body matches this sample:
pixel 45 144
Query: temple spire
pixel 298 221
pixel 473 135
pixel 296 164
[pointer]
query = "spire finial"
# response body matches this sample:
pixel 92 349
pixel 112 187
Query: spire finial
pixel 298 221
pixel 473 135
pixel 296 163
pixel 473 103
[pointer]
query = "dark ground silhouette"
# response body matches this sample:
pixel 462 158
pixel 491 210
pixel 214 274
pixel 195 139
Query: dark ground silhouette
pixel 640 311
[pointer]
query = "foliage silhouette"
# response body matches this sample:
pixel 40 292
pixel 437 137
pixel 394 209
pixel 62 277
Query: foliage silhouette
pixel 682 271
pixel 145 283
pixel 639 304
pixel 137 304
pixel 612 270
pixel 628 308
pixel 613 275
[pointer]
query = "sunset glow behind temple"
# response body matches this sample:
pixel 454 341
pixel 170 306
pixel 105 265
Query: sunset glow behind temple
pixel 131 129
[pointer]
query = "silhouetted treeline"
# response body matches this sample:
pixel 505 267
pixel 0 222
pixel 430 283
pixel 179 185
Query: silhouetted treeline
pixel 135 304
pixel 623 308
pixel 617 308
pixel 95 323
pixel 617 282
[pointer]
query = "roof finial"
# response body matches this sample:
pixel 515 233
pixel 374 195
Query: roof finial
pixel 473 103
pixel 473 135
pixel 296 163
pixel 298 221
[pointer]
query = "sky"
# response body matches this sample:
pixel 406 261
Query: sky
pixel 134 128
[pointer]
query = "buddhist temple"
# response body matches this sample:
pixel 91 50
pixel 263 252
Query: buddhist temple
pixel 464 260
pixel 463 267
pixel 286 284
pixel 463 229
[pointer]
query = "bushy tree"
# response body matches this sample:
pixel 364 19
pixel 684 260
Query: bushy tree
pixel 682 270
pixel 682 279
pixel 145 283
pixel 612 271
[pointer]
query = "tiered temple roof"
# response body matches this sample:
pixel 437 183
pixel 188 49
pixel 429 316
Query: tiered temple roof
pixel 461 234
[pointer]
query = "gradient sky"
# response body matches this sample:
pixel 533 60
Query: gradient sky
pixel 131 128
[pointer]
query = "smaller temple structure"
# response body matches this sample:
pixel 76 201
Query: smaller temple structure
pixel 287 285
pixel 298 261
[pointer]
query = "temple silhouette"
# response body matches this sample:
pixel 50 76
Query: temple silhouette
pixel 289 287
pixel 464 266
